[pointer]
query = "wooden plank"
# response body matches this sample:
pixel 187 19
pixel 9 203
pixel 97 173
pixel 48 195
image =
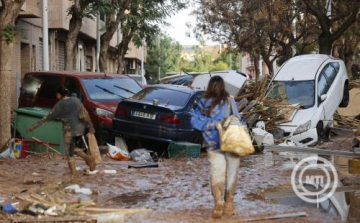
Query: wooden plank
pixel 311 150
pixel 276 216
pixel 57 219
pixel 291 193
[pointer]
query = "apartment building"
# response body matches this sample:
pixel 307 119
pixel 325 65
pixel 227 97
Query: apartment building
pixel 28 48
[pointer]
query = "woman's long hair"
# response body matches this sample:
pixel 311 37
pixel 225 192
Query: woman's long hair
pixel 216 91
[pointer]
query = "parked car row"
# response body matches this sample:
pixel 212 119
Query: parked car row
pixel 119 105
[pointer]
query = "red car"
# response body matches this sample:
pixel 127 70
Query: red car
pixel 99 92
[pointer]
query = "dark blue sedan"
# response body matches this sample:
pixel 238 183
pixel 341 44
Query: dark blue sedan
pixel 158 113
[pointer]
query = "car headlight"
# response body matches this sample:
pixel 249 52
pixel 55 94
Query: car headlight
pixel 302 128
pixel 104 113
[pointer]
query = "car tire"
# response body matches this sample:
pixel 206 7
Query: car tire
pixel 320 130
pixel 346 96
pixel 197 137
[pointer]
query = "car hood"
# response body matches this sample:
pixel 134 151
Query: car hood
pixel 301 116
pixel 109 105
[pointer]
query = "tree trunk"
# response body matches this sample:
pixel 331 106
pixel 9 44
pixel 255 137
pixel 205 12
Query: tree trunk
pixel 5 96
pixel 75 25
pixel 105 39
pixel 256 58
pixel 122 49
pixel 71 40
pixel 9 11
pixel 269 64
pixel 325 45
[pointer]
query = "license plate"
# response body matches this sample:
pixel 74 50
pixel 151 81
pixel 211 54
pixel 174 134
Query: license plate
pixel 144 115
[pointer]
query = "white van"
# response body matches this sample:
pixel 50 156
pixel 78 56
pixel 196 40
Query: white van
pixel 319 85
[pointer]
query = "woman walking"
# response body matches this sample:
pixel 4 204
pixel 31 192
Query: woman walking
pixel 76 121
pixel 212 109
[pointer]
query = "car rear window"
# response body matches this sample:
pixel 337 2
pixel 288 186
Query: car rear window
pixel 110 89
pixel 164 96
pixel 41 85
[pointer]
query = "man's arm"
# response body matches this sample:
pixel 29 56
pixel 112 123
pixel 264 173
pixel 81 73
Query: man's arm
pixel 53 114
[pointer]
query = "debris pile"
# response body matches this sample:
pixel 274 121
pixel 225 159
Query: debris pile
pixel 63 203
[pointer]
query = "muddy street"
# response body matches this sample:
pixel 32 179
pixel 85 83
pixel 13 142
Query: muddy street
pixel 177 191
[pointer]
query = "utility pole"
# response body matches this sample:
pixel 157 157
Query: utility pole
pixel 142 63
pixel 45 35
pixel 230 61
pixel 159 40
pixel 97 43
pixel 294 29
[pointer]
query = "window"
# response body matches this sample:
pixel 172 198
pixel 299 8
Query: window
pixel 110 89
pixel 323 86
pixel 48 86
pixel 163 95
pixel 330 73
pixel 72 85
pixel 292 92
pixel 336 65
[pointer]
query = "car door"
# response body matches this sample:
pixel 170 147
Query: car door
pixel 329 86
pixel 46 93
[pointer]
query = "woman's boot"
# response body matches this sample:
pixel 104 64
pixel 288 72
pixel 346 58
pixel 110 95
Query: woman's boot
pixel 72 166
pixel 89 160
pixel 229 208
pixel 219 205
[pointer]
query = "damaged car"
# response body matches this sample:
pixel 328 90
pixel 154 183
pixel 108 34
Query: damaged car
pixel 312 87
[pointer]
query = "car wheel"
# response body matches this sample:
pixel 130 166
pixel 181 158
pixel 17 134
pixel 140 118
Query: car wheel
pixel 197 137
pixel 320 130
pixel 346 96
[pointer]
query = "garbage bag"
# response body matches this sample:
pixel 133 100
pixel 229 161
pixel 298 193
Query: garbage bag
pixel 141 155
pixel 8 153
pixel 118 153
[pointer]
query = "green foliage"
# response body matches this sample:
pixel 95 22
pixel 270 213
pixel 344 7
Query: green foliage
pixel 90 8
pixel 164 53
pixel 143 20
pixel 9 33
pixel 220 65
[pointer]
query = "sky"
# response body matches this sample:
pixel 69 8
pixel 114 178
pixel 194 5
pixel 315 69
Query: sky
pixel 178 28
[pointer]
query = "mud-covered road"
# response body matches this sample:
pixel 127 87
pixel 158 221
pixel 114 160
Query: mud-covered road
pixel 177 191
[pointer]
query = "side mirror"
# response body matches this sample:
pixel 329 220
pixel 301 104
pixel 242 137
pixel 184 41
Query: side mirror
pixel 323 97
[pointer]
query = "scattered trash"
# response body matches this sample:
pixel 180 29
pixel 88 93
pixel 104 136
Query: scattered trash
pixel 8 208
pixel 89 172
pixel 144 165
pixel 118 153
pixel 8 153
pixel 77 189
pixel 120 143
pixel 31 182
pixel 141 155
pixel 109 171
pixel 262 137
pixel 35 174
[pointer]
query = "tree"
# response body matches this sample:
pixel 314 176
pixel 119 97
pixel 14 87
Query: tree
pixel 348 45
pixel 112 23
pixel 256 27
pixel 79 10
pixel 141 23
pixel 342 15
pixel 163 55
pixel 9 11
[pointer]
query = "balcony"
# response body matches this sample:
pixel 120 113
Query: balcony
pixel 31 9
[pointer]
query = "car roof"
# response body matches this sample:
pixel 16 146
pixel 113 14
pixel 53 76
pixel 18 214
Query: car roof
pixel 77 74
pixel 304 67
pixel 185 89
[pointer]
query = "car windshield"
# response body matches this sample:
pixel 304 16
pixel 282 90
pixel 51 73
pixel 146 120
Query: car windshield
pixel 292 92
pixel 164 96
pixel 110 89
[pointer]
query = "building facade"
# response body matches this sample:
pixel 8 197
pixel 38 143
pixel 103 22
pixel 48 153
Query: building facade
pixel 28 47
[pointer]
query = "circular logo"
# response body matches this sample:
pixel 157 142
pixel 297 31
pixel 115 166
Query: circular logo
pixel 324 184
